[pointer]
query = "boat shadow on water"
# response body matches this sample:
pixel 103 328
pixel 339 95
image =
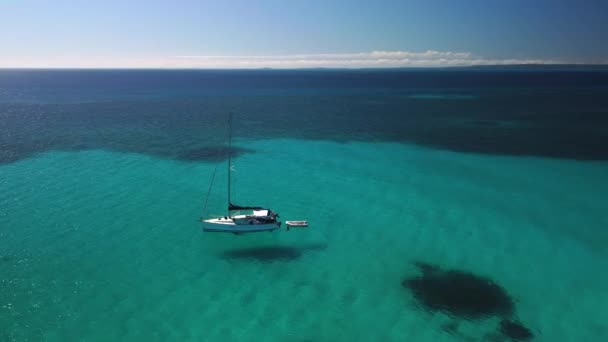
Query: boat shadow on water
pixel 271 253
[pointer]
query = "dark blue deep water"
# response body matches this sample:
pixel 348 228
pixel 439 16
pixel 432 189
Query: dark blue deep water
pixel 175 114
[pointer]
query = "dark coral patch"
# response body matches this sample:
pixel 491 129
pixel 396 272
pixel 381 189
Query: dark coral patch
pixel 459 293
pixel 515 330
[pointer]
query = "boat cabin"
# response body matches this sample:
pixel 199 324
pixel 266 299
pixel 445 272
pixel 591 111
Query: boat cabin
pixel 258 216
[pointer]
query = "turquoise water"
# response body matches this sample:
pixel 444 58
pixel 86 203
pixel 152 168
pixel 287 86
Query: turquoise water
pixel 493 179
pixel 101 245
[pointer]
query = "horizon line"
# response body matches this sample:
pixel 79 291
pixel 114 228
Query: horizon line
pixel 433 67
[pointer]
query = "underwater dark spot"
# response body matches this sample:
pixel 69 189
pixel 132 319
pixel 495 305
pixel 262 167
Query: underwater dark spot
pixel 212 153
pixel 515 330
pixel 460 294
pixel 270 253
pixel 5 258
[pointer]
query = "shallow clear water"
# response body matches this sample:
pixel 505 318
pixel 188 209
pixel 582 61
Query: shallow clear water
pixel 99 242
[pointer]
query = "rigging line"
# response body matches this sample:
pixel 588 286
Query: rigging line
pixel 234 184
pixel 217 155
pixel 209 191
pixel 229 155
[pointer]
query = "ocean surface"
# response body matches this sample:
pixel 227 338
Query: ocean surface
pixel 443 205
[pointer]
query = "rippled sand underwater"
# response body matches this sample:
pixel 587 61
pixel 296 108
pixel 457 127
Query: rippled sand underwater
pixel 100 245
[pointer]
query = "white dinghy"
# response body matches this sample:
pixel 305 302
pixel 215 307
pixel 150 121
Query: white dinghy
pixel 296 224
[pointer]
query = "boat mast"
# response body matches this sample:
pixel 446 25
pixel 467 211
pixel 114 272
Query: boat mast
pixel 229 156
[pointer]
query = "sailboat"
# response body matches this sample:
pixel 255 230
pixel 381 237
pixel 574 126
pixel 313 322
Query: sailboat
pixel 240 219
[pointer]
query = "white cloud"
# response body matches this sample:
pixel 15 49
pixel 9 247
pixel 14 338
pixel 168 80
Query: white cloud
pixel 372 59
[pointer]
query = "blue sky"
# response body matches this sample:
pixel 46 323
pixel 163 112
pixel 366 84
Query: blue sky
pixel 292 33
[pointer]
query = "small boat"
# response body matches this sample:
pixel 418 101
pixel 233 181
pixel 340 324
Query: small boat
pixel 255 219
pixel 297 224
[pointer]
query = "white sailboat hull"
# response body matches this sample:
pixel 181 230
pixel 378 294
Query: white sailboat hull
pixel 238 226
